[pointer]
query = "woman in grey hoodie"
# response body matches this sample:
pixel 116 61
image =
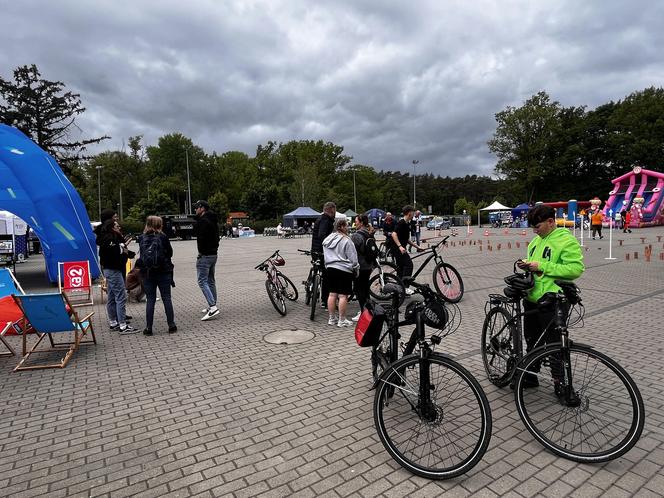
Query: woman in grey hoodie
pixel 341 264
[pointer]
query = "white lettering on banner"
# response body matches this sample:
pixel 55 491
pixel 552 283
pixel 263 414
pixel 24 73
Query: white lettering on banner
pixel 75 275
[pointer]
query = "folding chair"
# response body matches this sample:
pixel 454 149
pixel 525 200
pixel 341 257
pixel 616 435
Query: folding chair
pixel 50 314
pixel 9 313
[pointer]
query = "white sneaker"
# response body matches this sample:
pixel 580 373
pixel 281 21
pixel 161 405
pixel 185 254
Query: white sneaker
pixel 344 323
pixel 205 310
pixel 409 291
pixel 332 320
pixel 357 317
pixel 211 313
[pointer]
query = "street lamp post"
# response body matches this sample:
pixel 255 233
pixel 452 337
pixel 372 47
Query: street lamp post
pixel 186 155
pixel 354 191
pixel 149 182
pixel 415 161
pixel 99 190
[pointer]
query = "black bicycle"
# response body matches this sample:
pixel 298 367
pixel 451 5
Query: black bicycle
pixel 279 287
pixel 577 402
pixel 312 285
pixel 446 278
pixel 430 413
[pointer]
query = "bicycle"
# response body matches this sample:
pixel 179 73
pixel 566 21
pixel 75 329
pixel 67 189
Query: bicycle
pixel 380 277
pixel 312 285
pixel 446 278
pixel 431 414
pixel 279 287
pixel 598 414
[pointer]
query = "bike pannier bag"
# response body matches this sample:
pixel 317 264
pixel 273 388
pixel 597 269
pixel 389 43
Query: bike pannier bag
pixel 370 325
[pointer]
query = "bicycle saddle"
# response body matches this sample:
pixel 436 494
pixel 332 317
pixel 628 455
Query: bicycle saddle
pixel 570 289
pixel 520 281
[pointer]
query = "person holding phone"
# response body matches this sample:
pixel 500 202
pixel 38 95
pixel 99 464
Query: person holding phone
pixel 553 254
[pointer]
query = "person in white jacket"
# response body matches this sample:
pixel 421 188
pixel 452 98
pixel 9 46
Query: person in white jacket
pixel 341 265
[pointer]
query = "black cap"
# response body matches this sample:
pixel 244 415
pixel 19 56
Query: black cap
pixel 202 204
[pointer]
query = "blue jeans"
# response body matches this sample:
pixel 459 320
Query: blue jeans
pixel 205 273
pixel 152 281
pixel 117 296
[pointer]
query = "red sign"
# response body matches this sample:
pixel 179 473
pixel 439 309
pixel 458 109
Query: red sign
pixel 76 275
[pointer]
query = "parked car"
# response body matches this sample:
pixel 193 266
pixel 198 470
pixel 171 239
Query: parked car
pixel 438 223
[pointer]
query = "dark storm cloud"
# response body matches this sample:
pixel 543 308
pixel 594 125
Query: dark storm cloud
pixel 391 81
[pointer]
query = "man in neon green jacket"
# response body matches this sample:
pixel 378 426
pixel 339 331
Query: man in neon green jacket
pixel 554 254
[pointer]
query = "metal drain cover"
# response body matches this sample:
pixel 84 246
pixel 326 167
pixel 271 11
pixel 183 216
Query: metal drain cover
pixel 290 336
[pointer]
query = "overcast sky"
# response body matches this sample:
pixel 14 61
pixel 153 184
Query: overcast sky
pixel 391 81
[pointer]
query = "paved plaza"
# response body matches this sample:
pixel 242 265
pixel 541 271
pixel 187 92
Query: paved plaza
pixel 214 410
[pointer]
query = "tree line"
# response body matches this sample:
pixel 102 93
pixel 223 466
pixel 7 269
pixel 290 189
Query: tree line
pixel 544 151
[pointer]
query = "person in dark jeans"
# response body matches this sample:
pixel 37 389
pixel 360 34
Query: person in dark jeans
pixel 207 240
pixel 323 227
pixel 160 277
pixel 401 239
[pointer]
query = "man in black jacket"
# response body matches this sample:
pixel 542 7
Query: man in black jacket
pixel 207 240
pixel 323 227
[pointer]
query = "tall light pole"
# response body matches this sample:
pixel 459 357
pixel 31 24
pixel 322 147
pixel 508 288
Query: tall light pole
pixel 354 191
pixel 149 182
pixel 186 156
pixel 99 189
pixel 415 161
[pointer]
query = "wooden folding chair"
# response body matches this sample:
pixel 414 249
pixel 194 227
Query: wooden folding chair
pixel 50 314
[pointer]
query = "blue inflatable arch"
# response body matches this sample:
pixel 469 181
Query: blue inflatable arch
pixel 34 188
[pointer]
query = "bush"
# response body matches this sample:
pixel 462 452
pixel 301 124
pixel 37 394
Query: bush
pixel 260 225
pixel 130 225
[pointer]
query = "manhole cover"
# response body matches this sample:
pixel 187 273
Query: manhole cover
pixel 291 336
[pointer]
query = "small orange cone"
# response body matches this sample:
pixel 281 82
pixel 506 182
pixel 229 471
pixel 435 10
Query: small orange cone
pixel 523 232
pixel 486 233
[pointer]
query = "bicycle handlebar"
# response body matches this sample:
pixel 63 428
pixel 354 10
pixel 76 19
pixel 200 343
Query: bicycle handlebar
pixel 259 265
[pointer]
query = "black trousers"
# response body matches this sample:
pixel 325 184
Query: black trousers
pixel 540 324
pixel 324 283
pixel 361 287
pixel 404 264
pixel 597 229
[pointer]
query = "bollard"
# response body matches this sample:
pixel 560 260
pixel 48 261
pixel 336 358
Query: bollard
pixel 626 256
pixel 498 247
pixel 636 255
pixel 620 241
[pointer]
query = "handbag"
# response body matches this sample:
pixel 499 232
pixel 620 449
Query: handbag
pixel 370 325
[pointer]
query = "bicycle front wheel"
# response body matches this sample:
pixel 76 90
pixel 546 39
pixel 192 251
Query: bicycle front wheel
pixel 599 420
pixel 448 282
pixel 443 437
pixel 289 287
pixel 498 347
pixel 276 297
pixel 315 289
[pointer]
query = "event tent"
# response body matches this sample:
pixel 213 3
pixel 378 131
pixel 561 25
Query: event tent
pixel 350 214
pixel 34 188
pixel 300 214
pixel 494 206
pixel 520 209
pixel 375 216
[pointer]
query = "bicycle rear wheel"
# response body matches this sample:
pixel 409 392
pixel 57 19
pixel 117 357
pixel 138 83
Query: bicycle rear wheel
pixel 315 289
pixel 498 347
pixel 276 297
pixel 289 287
pixel 447 437
pixel 605 420
pixel 448 282
pixel 377 289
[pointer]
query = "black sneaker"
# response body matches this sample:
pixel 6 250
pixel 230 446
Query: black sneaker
pixel 147 332
pixel 128 317
pixel 127 329
pixel 571 400
pixel 115 327
pixel 172 329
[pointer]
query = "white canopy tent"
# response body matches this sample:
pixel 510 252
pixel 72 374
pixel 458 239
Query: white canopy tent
pixel 494 206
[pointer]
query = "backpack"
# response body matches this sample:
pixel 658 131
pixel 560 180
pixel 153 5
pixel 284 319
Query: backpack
pixel 153 254
pixel 370 250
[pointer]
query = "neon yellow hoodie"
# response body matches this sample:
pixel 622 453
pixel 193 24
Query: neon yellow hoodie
pixel 560 258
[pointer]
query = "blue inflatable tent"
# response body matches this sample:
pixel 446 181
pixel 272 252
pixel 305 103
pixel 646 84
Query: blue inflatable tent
pixel 34 188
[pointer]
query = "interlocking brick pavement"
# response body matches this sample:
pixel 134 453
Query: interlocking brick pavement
pixel 214 410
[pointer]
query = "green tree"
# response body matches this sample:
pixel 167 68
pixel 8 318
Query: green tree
pixel 219 204
pixel 46 113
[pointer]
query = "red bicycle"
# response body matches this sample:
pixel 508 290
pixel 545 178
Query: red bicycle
pixel 279 287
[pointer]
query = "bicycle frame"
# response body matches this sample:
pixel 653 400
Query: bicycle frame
pixel 432 254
